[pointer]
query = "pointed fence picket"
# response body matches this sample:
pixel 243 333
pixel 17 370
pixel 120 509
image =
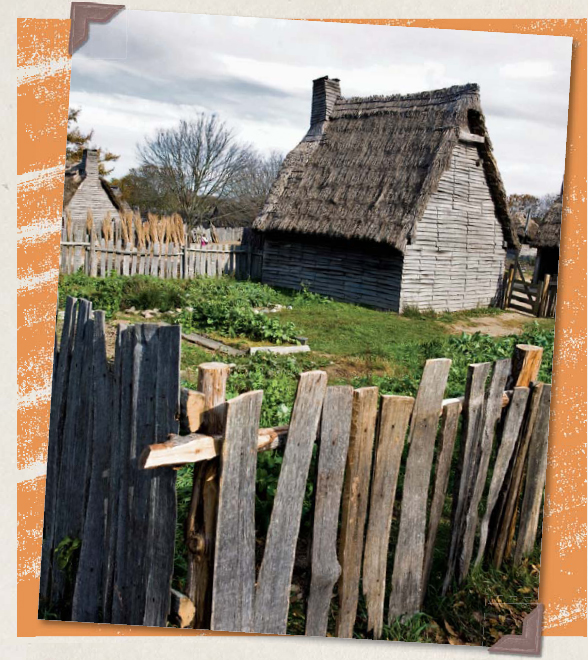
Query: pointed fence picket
pixel 98 255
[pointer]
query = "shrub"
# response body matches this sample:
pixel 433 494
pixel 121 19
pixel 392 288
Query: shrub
pixel 144 292
pixel 232 316
pixel 105 293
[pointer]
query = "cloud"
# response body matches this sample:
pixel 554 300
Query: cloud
pixel 528 70
pixel 256 74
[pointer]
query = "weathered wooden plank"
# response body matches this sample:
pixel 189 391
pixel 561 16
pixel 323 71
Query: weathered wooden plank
pixel 212 344
pixel 407 576
pixel 449 424
pixel 394 418
pixel 335 431
pixel 280 350
pixel 72 487
pixel 197 447
pixel 182 609
pixel 473 424
pixel 201 520
pixel 272 598
pixel 492 413
pixel 61 371
pixel 510 433
pixel 506 519
pixel 535 480
pixel 192 405
pixel 88 595
pixel 121 387
pixel 526 363
pixel 355 503
pixel 162 483
pixel 136 518
pixel 234 560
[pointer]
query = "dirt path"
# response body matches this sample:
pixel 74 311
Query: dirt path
pixel 501 325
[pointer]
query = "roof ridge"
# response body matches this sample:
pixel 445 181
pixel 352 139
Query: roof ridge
pixel 454 91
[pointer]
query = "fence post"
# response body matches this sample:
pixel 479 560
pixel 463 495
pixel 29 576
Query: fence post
pixel 526 363
pixel 201 521
pixel 508 287
pixel 544 298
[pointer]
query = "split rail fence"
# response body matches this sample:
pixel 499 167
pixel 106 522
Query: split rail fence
pixel 163 248
pixel 118 430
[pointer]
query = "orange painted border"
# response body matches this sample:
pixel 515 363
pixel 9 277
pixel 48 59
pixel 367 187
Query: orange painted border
pixel 42 111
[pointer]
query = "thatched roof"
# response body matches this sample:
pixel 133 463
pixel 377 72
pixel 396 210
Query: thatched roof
pixel 549 228
pixel 368 171
pixel 520 222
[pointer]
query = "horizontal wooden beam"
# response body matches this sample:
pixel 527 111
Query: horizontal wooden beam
pixel 464 136
pixel 196 447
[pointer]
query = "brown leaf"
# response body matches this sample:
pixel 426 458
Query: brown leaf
pixel 455 641
pixel 478 617
pixel 449 629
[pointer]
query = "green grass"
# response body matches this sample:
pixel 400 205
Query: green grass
pixel 341 329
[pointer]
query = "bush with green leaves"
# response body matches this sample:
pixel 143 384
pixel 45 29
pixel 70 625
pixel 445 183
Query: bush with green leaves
pixel 223 305
pixel 105 293
pixel 232 316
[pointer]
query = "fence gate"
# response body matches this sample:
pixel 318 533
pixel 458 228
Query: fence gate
pixel 519 294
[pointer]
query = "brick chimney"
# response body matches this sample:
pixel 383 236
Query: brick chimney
pixel 325 92
pixel 90 163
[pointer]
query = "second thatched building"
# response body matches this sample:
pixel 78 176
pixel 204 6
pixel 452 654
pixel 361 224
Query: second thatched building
pixel 392 202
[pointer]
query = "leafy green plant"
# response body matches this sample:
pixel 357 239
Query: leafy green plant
pixel 105 293
pixel 306 297
pixel 66 552
pixel 232 317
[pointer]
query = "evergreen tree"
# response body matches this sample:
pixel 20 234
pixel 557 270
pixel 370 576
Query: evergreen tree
pixel 78 141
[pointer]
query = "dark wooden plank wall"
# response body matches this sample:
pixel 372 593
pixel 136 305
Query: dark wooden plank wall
pixel 343 271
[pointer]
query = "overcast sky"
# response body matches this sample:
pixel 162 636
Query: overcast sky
pixel 145 70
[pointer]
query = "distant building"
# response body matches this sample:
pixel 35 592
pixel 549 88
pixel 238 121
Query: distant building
pixel 546 240
pixel 85 189
pixel 390 201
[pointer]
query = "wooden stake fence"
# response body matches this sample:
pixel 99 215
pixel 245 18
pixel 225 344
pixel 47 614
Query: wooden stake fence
pixel 159 247
pixel 111 490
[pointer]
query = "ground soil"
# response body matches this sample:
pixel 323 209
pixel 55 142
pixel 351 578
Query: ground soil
pixel 500 325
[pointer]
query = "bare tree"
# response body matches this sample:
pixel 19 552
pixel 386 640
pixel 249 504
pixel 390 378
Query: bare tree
pixel 536 206
pixel 197 162
pixel 249 191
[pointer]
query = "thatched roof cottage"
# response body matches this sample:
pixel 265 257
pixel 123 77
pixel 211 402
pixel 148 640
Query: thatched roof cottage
pixel 546 240
pixel 390 201
pixel 85 189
